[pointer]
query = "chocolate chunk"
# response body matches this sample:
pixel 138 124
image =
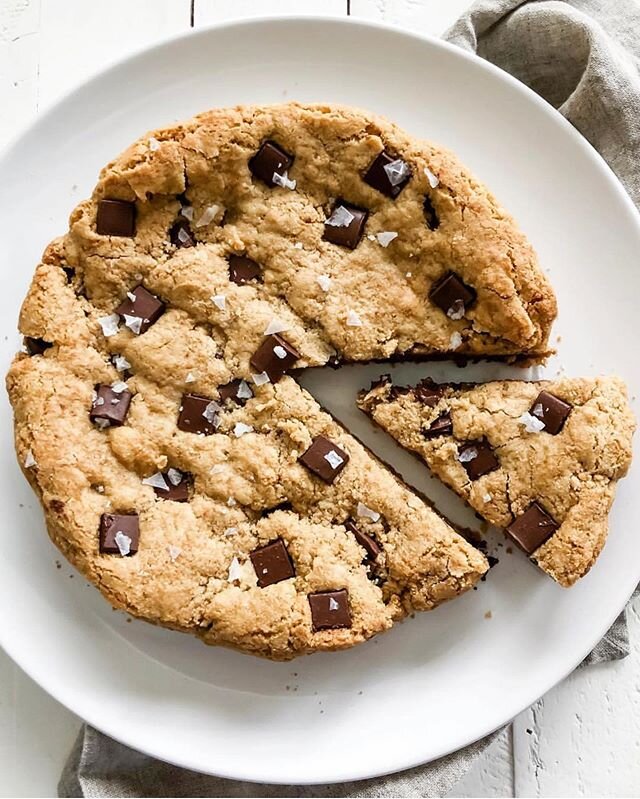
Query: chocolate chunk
pixel 324 459
pixel 177 489
pixel 330 610
pixel 272 563
pixel 36 346
pixel 270 158
pixel 146 307
pixel 198 415
pixel 116 218
pixel 230 392
pixel 428 393
pixel 478 458
pixel 430 214
pixel 181 234
pixel 275 356
pixel 113 523
pixel 243 269
pixel 532 528
pixel 345 225
pixel 366 541
pixel 388 174
pixel 551 410
pixel 109 408
pixel 452 295
pixel 442 426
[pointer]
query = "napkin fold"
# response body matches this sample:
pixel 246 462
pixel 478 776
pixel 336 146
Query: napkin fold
pixel 583 57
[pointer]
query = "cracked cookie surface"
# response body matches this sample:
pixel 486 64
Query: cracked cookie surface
pixel 539 459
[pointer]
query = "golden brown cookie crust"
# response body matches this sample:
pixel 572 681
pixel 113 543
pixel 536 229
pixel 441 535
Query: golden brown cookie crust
pixel 572 474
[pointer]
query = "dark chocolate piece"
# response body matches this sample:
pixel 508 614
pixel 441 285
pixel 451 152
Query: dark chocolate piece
pixel 36 346
pixel 230 392
pixel 551 410
pixel 452 295
pixel 270 159
pixel 388 174
pixel 198 415
pixel 324 458
pixel 442 426
pixel 116 218
pixel 532 528
pixel 109 408
pixel 478 458
pixel 428 392
pixel 351 228
pixel 181 234
pixel 243 269
pixel 366 541
pixel 145 306
pixel 275 356
pixel 330 610
pixel 272 563
pixel 113 523
pixel 177 491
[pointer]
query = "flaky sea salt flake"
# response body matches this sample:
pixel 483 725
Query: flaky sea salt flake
pixel 487 498
pixel 468 455
pixel 183 236
pixel 397 171
pixel 333 605
pixel 173 551
pixel 280 352
pixel 531 423
pixel 123 542
pixel 208 215
pixel 324 281
pixel 363 510
pixel 284 181
pixel 341 217
pixel 538 410
pixel 187 212
pixel 241 429
pixel 29 460
pixel 235 570
pixel 220 301
pixel 231 502
pixel 386 237
pixel 456 311
pixel 175 476
pixel 353 320
pixel 261 379
pixel 275 326
pixel 211 412
pixel 121 363
pixel 119 386
pixel 231 531
pixel 244 390
pixel 156 481
pixel 109 324
pixel 297 245
pixel 333 459
pixel 433 179
pixel 154 144
pixel 190 378
pixel 455 341
pixel 134 323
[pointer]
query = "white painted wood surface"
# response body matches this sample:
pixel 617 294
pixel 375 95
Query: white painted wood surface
pixel 583 738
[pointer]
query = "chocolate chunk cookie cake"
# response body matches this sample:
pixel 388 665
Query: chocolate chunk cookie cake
pixel 180 465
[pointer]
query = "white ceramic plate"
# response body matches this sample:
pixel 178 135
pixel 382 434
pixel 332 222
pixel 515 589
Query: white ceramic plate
pixel 439 681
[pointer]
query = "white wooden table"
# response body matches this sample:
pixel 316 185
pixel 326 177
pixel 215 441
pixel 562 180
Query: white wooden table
pixel 583 738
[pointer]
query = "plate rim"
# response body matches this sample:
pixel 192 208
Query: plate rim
pixel 41 119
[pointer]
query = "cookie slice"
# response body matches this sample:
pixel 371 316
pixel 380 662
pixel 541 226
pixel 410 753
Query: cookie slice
pixel 539 459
